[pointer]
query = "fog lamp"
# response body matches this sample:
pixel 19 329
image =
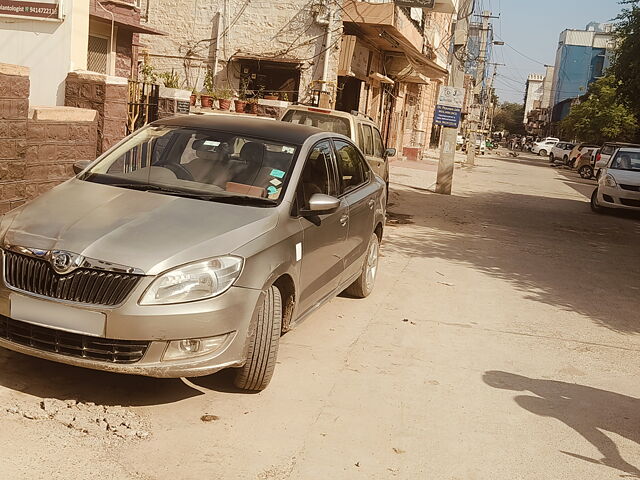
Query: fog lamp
pixel 193 347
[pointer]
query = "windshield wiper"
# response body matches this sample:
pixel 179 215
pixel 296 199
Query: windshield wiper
pixel 212 197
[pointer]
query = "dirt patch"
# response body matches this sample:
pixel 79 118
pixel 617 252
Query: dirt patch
pixel 394 218
pixel 86 418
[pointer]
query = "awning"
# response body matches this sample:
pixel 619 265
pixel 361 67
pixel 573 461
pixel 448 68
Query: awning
pixel 242 56
pixel 125 24
pixel 381 78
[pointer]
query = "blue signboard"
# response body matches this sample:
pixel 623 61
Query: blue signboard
pixel 447 116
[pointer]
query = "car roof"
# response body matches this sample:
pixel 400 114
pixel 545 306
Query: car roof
pixel 621 144
pixel 338 113
pixel 630 149
pixel 281 132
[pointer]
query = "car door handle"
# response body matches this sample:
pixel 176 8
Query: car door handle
pixel 344 219
pixel 371 203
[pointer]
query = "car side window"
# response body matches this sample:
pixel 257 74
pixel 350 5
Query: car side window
pixel 378 148
pixel 352 169
pixel 316 173
pixel 368 140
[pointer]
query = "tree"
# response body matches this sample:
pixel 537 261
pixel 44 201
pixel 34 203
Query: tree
pixel 626 61
pixel 509 117
pixel 601 116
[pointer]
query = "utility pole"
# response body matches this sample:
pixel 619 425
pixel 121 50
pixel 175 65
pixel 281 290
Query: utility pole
pixel 456 79
pixel 490 106
pixel 480 74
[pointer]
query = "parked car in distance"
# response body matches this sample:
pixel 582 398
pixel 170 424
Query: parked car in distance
pixel 604 153
pixel 619 183
pixel 585 162
pixel 577 150
pixel 189 247
pixel 360 128
pixel 560 151
pixel 543 147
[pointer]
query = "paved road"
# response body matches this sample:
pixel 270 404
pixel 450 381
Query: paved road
pixel 501 342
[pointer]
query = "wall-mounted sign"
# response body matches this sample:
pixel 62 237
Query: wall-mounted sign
pixel 41 10
pixel 451 96
pixel 416 3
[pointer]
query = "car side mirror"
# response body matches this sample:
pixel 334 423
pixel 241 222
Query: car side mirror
pixel 320 204
pixel 80 165
pixel 390 152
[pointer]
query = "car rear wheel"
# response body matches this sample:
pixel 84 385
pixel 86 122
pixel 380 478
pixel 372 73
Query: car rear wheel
pixel 551 158
pixel 542 153
pixel 263 344
pixel 363 286
pixel 586 171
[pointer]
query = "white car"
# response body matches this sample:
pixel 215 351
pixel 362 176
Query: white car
pixel 543 147
pixel 561 151
pixel 619 181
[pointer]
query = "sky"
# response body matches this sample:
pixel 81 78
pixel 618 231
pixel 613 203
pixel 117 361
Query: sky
pixel 531 29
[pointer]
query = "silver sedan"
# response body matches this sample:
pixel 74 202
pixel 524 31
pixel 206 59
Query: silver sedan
pixel 190 247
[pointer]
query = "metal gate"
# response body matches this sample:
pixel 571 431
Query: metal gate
pixel 142 104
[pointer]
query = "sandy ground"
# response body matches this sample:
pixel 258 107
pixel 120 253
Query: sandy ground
pixel 501 342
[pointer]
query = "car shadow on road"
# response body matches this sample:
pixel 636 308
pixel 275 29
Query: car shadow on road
pixel 587 410
pixel 46 379
pixel 554 250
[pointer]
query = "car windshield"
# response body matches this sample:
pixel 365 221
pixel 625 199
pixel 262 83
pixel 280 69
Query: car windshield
pixel 323 121
pixel 195 163
pixel 626 161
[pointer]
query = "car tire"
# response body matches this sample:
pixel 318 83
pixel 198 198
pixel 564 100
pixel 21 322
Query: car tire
pixel 586 172
pixel 256 373
pixel 542 153
pixel 552 159
pixel 595 207
pixel 565 159
pixel 363 286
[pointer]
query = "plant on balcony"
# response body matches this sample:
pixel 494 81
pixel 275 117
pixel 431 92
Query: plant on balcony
pixel 224 96
pixel 272 96
pixel 209 92
pixel 253 101
pixel 241 101
pixel 170 79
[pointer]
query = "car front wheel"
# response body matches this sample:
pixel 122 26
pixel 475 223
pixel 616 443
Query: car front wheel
pixel 263 347
pixel 363 286
pixel 594 202
pixel 542 153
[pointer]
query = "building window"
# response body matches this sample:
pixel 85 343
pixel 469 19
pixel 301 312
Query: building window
pixel 270 78
pixel 98 54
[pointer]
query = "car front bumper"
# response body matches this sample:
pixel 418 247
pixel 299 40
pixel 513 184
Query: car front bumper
pixel 616 197
pixel 229 315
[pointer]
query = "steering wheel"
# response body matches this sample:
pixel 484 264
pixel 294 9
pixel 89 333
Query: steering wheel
pixel 179 171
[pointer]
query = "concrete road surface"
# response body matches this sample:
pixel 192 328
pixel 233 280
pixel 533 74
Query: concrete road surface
pixel 501 342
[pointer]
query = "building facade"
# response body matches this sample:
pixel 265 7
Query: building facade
pixel 377 58
pixel 533 94
pixel 582 57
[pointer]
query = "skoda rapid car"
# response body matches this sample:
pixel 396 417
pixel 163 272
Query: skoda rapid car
pixel 190 247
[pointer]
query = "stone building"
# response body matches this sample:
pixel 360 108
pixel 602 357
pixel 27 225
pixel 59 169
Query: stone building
pixel 378 58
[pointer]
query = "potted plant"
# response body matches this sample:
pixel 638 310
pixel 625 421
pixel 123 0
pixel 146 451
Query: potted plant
pixel 193 97
pixel 224 96
pixel 241 101
pixel 271 96
pixel 206 98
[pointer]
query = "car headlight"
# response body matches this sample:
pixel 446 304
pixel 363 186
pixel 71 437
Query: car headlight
pixel 609 181
pixel 194 281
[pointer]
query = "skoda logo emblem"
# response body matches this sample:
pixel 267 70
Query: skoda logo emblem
pixel 62 262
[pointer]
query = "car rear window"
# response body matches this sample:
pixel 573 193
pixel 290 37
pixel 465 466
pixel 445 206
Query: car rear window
pixel 323 121
pixel 607 150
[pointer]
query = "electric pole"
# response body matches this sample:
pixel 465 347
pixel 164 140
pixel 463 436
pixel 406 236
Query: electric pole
pixel 490 106
pixel 456 79
pixel 480 74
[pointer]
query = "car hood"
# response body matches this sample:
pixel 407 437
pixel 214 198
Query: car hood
pixel 149 231
pixel 626 177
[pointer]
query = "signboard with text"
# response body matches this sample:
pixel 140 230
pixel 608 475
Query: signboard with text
pixel 451 96
pixel 447 116
pixel 40 10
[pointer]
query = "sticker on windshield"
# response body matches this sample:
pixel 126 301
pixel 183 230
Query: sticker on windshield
pixel 289 150
pixel 271 189
pixel 275 182
pixel 277 173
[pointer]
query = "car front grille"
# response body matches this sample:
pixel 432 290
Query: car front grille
pixel 94 287
pixel 632 188
pixel 71 344
pixel 629 202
